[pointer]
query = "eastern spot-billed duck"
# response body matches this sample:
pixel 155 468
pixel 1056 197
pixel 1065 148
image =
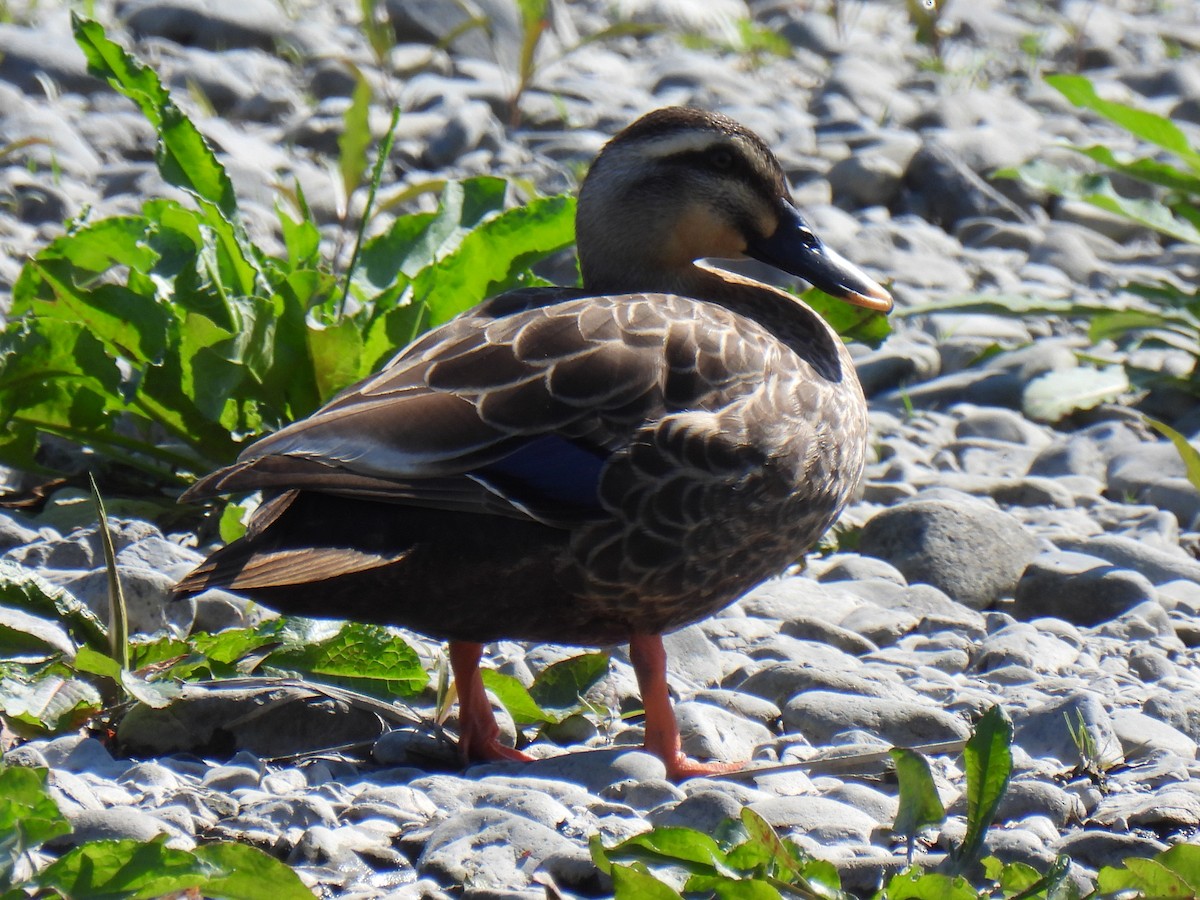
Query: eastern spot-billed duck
pixel 590 466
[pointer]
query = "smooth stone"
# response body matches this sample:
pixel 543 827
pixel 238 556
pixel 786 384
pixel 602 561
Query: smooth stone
pixel 1170 808
pixel 149 602
pixel 999 425
pixel 782 681
pixel 941 188
pixel 1023 644
pixel 878 805
pixel 477 848
pixel 1082 589
pixel 1159 566
pixel 823 715
pixel 1141 735
pixel 704 811
pixel 645 795
pixel 822 819
pixel 1025 797
pixel 212 25
pixel 594 770
pixel 1045 730
pixel 709 732
pixel 1178 707
pixel 119 823
pixel 855 567
pixel 275 721
pixel 973 552
pixel 1096 848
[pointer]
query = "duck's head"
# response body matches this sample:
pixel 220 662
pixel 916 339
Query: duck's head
pixel 680 185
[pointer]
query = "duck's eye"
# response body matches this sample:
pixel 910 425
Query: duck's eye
pixel 721 159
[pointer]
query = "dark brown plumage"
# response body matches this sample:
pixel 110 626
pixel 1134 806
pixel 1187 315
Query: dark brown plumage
pixel 588 466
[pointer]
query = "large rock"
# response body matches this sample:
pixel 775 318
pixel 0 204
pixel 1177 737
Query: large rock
pixel 973 552
pixel 1077 587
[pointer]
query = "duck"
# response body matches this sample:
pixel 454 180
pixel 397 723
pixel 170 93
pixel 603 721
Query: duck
pixel 594 465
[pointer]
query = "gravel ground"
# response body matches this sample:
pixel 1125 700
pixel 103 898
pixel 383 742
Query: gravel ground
pixel 1048 568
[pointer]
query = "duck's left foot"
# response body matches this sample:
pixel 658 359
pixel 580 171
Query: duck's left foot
pixel 680 767
pixel 478 733
pixel 478 748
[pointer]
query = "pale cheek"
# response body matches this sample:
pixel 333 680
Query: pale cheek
pixel 698 234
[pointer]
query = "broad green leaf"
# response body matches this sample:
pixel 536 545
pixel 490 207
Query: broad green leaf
pixel 987 763
pixel 301 237
pixel 1189 454
pixel 89 660
pixel 1054 395
pixel 28 638
pixel 912 884
pixel 243 872
pixel 131 326
pixel 515 698
pixel 684 845
pixel 1099 192
pixel 337 355
pixel 355 138
pixel 155 694
pixel 52 703
pixel 1149 126
pixel 740 889
pixel 770 855
pixel 124 869
pixel 1151 171
pixel 28 815
pixel 361 652
pixel 561 685
pixel 492 255
pixel 920 806
pixel 636 883
pixel 109 61
pixel 1183 860
pixel 853 323
pixel 1149 877
pixel 232 524
pixel 24 589
pixel 146 652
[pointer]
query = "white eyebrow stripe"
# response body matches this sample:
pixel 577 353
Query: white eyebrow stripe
pixel 662 146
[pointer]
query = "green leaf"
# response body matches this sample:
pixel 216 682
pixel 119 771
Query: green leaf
pixel 88 660
pixel 515 698
pixel 1189 454
pixel 337 355
pixel 912 884
pixel 123 869
pixel 118 616
pixel 740 889
pixel 24 589
pixel 52 703
pixel 365 653
pixel 27 638
pixel 1148 877
pixel 987 762
pixel 355 138
pixel 108 60
pixel 1183 860
pixel 1055 395
pixel 636 883
pixel 685 845
pixel 920 806
pixel 1149 126
pixel 852 323
pixel 243 872
pixel 28 816
pixel 561 685
pixel 489 258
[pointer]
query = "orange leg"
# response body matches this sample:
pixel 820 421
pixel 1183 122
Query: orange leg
pixel 478 732
pixel 649 660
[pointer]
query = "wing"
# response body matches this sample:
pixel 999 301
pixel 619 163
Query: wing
pixel 513 409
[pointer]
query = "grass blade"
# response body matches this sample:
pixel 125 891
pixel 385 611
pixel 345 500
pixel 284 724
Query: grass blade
pixel 118 617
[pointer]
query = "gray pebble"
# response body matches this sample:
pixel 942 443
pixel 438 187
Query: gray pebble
pixel 972 552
